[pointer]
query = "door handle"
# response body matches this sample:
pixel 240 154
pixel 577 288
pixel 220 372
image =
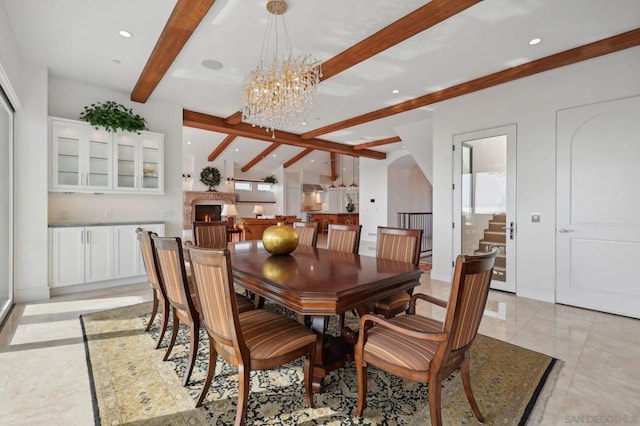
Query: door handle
pixel 564 230
pixel 511 228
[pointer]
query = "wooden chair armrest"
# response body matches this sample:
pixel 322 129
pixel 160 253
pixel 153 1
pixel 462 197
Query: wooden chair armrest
pixel 425 297
pixel 366 323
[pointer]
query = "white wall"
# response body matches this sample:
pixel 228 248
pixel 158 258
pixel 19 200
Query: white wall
pixel 531 103
pixel 10 70
pixel 418 138
pixel 67 99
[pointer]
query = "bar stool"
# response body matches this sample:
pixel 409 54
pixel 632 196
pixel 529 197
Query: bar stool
pixel 325 226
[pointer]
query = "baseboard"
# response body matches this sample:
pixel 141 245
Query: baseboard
pixel 71 289
pixel 536 293
pixel 29 295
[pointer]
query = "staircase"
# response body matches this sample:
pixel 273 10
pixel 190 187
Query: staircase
pixel 496 235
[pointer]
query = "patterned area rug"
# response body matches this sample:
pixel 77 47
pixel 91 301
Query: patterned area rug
pixel 132 385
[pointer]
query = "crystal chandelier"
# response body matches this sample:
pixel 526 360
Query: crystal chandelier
pixel 281 93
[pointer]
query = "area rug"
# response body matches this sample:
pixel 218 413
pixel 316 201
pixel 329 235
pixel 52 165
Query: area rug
pixel 130 384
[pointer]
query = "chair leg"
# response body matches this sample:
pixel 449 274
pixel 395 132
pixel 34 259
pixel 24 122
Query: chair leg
pixel 243 393
pixel 193 350
pixel 213 356
pixel 466 382
pixel 435 394
pixel 154 311
pixel 308 374
pixel 361 370
pixel 174 334
pixel 166 309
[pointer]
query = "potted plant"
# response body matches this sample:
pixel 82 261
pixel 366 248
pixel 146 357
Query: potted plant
pixel 210 176
pixel 350 206
pixel 271 179
pixel 113 116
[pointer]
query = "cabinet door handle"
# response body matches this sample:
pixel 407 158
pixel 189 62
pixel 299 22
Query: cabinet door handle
pixel 82 237
pixel 88 237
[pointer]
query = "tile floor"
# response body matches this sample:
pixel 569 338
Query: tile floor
pixel 43 375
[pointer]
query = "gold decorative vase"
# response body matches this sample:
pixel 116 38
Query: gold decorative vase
pixel 280 239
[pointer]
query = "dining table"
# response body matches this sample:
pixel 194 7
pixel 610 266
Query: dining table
pixel 320 283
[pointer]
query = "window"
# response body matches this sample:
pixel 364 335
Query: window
pixel 264 187
pixel 243 186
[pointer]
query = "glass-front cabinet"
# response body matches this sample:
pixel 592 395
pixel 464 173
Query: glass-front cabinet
pixel 86 159
pixel 81 156
pixel 139 162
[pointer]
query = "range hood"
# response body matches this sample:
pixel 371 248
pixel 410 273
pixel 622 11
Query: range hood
pixel 312 187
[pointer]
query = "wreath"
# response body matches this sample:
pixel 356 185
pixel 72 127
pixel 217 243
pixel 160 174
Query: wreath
pixel 210 176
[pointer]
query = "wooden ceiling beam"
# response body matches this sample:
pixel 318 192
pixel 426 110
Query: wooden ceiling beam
pixel 183 21
pixel 221 147
pixel 419 20
pixel 260 157
pixel 379 142
pixel 298 157
pixel 235 118
pixel 567 57
pixel 202 121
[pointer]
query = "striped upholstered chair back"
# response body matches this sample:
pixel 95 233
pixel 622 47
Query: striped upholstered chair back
pixel 469 292
pixel 344 238
pixel 210 234
pixel 181 296
pixel 399 244
pixel 212 276
pixel 307 233
pixel 149 260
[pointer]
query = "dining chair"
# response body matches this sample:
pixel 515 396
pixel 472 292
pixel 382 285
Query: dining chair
pixel 210 234
pixel 154 279
pixel 344 238
pixel 307 233
pixel 244 302
pixel 402 245
pixel 253 340
pixel 182 298
pixel 422 349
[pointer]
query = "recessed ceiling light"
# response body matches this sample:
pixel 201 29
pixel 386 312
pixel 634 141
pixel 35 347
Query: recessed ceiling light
pixel 395 91
pixel 534 41
pixel 237 149
pixel 404 147
pixel 313 161
pixel 125 34
pixel 212 64
pixel 274 155
pixel 304 123
pixel 188 142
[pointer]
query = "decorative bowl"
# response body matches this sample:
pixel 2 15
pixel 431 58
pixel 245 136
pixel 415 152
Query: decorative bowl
pixel 280 239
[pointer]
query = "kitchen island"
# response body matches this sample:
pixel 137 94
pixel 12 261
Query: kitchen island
pixel 325 218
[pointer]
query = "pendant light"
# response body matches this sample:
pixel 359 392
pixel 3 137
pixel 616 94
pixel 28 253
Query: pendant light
pixel 353 173
pixel 342 185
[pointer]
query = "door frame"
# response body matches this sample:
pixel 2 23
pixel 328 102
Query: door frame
pixel 510 131
pixel 5 307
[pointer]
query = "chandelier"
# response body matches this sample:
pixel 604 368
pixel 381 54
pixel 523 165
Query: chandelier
pixel 280 93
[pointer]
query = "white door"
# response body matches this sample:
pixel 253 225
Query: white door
pixel 67 251
pixel 98 253
pixel 598 200
pixel 485 199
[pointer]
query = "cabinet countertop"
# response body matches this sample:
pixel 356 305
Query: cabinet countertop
pixel 79 224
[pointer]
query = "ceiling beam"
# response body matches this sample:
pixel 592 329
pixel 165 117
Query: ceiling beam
pixel 183 21
pixel 568 57
pixel 260 157
pixel 221 147
pixel 202 121
pixel 235 118
pixel 379 142
pixel 298 157
pixel 427 16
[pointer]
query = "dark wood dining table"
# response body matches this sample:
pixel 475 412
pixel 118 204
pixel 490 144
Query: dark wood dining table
pixel 320 283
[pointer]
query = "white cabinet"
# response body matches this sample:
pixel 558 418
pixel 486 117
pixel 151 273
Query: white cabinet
pixel 85 159
pixel 139 162
pixel 128 259
pixel 338 199
pixel 89 254
pixel 81 255
pixel 81 156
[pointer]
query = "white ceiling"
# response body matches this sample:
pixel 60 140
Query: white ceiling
pixel 78 40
